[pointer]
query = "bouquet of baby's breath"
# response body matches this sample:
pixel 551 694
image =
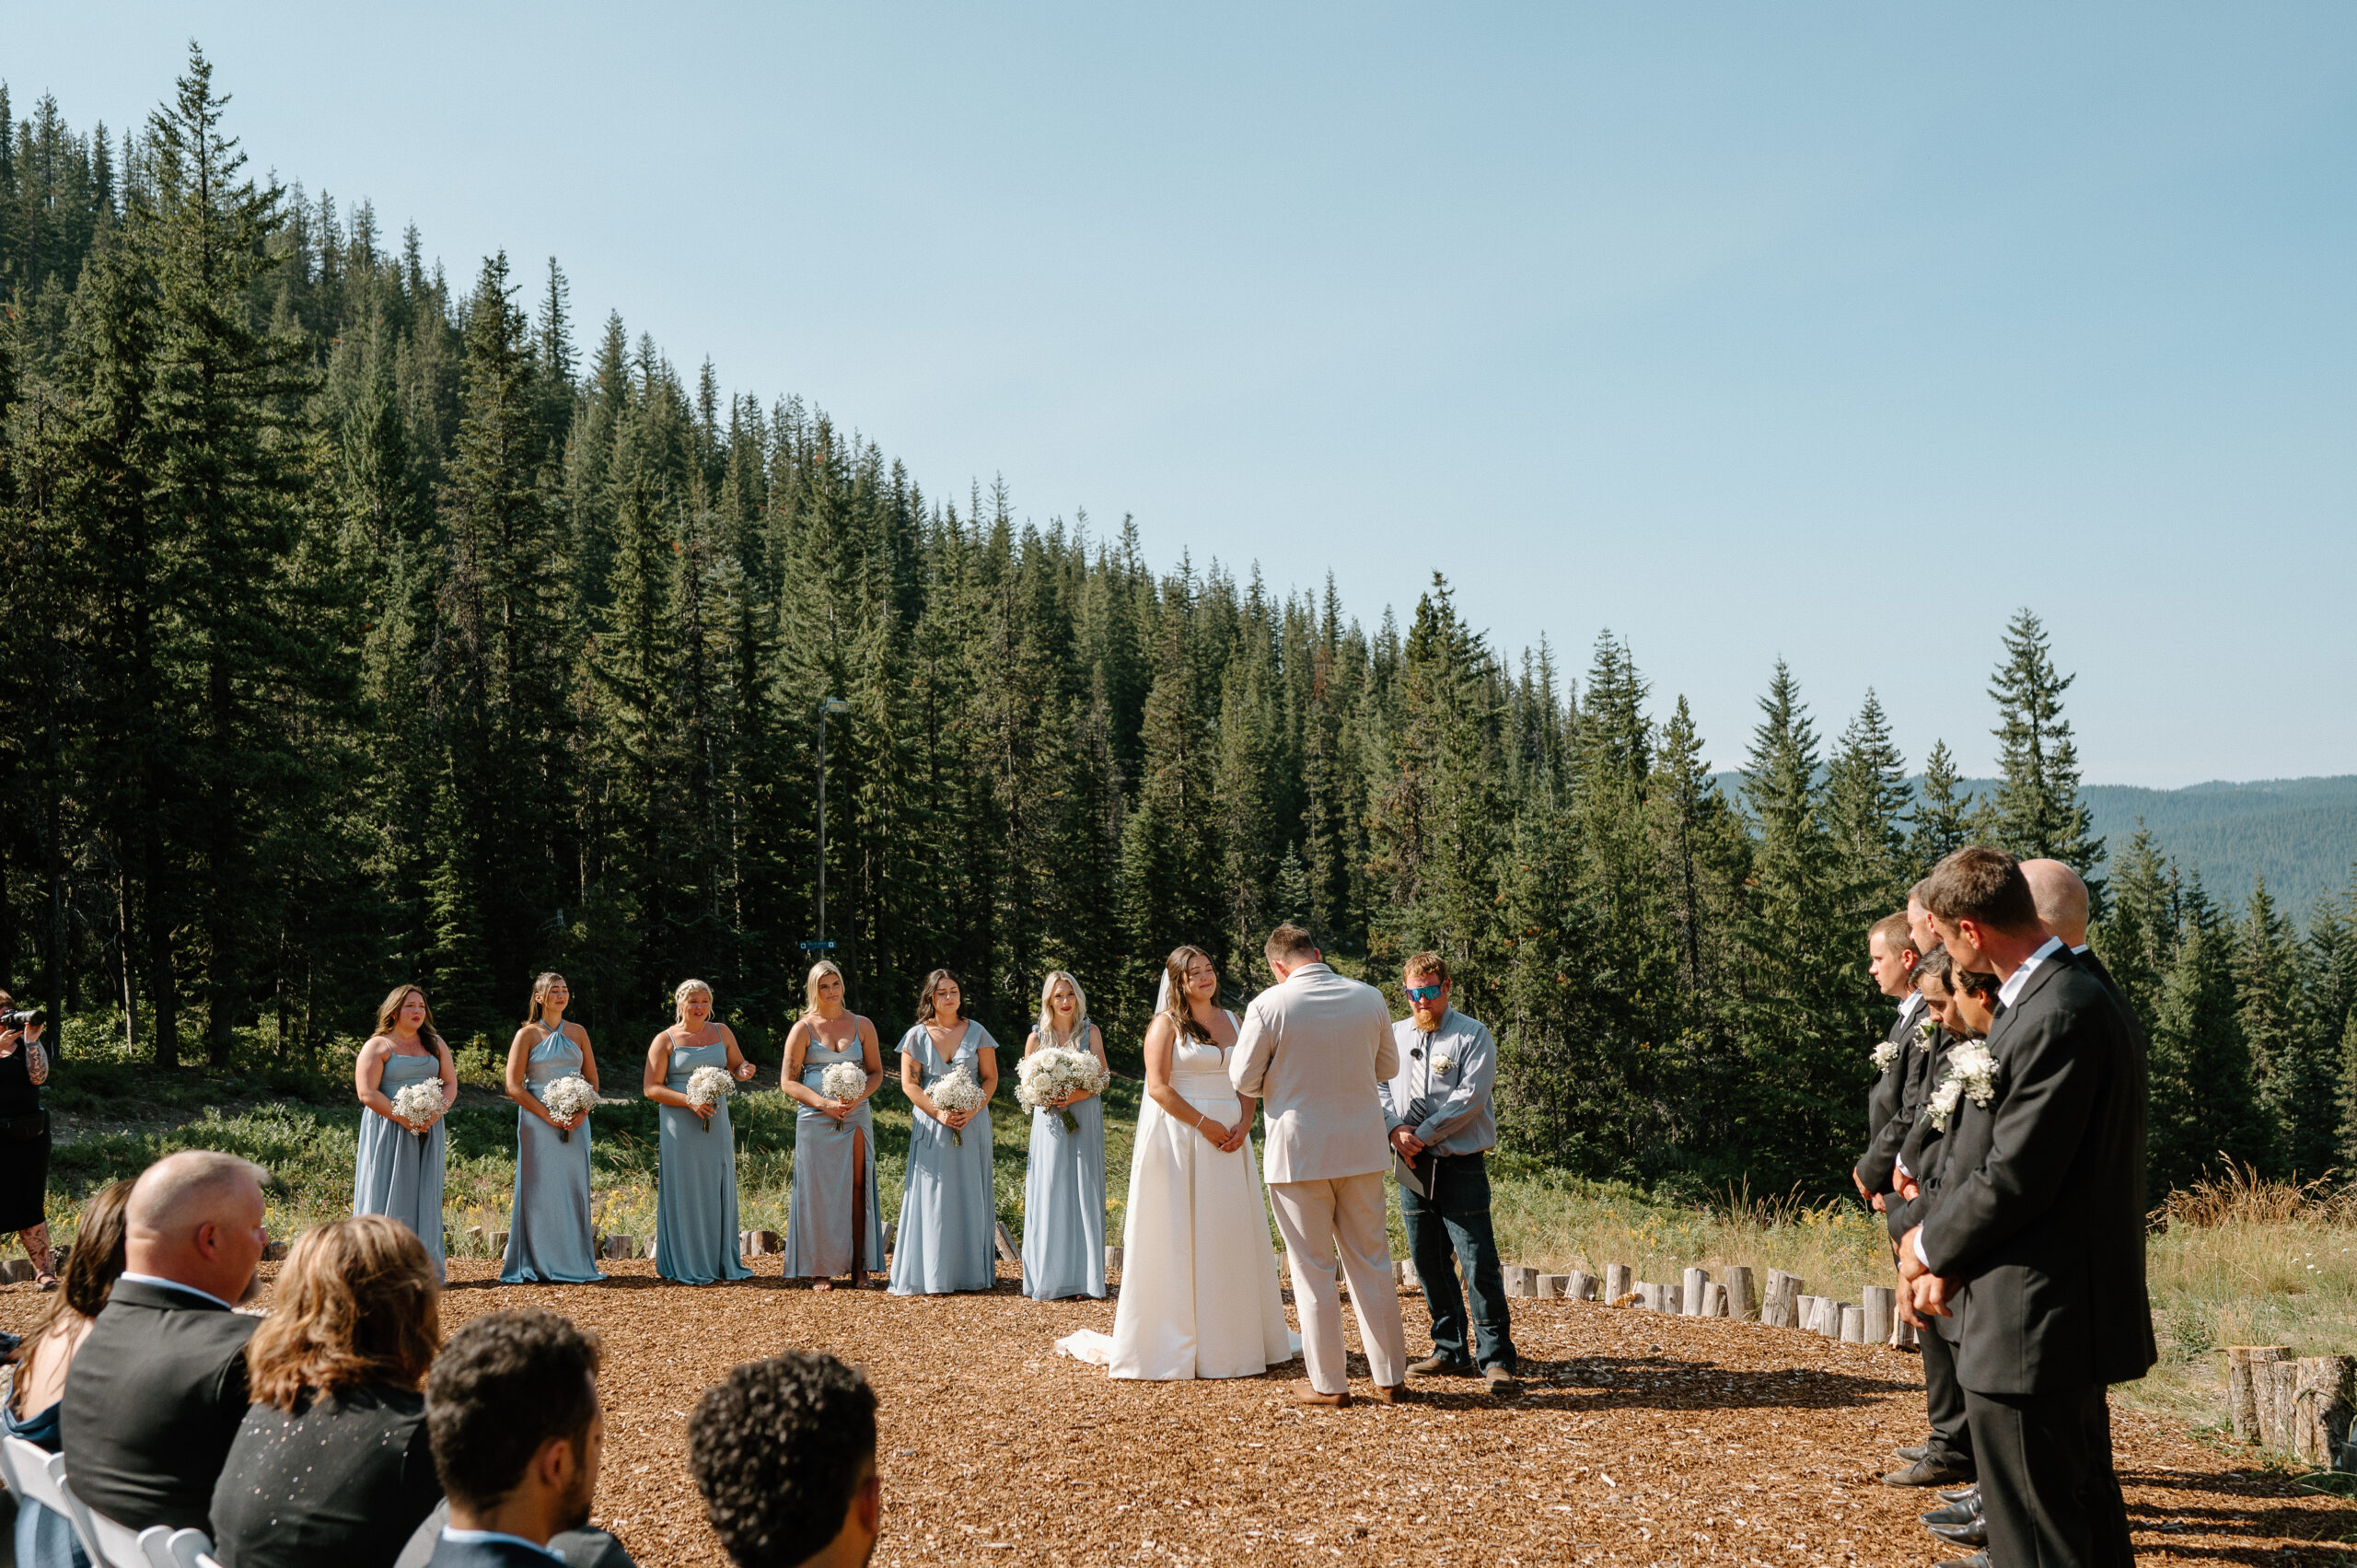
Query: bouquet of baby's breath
pixel 707 1087
pixel 1044 1077
pixel 957 1093
pixel 1971 1070
pixel 569 1097
pixel 844 1082
pixel 418 1105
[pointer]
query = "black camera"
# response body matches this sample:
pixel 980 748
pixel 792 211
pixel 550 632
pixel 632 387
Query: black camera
pixel 30 1019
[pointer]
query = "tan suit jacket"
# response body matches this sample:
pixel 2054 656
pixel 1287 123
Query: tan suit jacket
pixel 1315 1049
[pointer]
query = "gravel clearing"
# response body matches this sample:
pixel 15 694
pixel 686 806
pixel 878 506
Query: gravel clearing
pixel 1640 1439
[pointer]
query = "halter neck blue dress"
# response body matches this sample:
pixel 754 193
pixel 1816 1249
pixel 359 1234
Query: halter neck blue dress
pixel 948 1213
pixel 399 1173
pixel 549 1238
pixel 1064 1200
pixel 695 1198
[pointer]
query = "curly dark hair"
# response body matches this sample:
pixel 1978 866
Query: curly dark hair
pixel 505 1383
pixel 779 1448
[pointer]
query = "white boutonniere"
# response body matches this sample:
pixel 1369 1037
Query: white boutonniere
pixel 1971 1070
pixel 1923 1033
pixel 1886 1054
pixel 1443 1063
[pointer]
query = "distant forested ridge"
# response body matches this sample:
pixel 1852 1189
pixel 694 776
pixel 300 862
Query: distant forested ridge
pixel 362 626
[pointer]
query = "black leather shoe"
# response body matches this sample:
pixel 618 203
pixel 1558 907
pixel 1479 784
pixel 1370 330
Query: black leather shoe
pixel 1961 1493
pixel 1441 1366
pixel 1929 1472
pixel 1913 1454
pixel 1972 1532
pixel 1978 1560
pixel 1958 1510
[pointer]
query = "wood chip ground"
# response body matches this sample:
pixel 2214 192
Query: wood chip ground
pixel 1640 1439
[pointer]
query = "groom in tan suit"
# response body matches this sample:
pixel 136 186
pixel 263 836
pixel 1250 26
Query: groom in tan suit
pixel 1314 1047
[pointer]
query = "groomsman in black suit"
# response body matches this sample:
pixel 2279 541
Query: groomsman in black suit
pixel 2034 1240
pixel 1891 957
pixel 512 1409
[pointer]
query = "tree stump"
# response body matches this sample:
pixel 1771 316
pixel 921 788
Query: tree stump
pixel 1780 1308
pixel 1615 1281
pixel 1903 1335
pixel 1715 1302
pixel 1853 1325
pixel 1804 1313
pixel 1694 1291
pixel 768 1243
pixel 2320 1407
pixel 1553 1285
pixel 1741 1302
pixel 1881 1304
pixel 1578 1286
pixel 1007 1251
pixel 1408 1275
pixel 1112 1257
pixel 891 1231
pixel 2243 1394
pixel 1521 1280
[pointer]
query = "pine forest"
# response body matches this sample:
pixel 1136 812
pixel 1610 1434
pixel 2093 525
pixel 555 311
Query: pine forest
pixel 365 626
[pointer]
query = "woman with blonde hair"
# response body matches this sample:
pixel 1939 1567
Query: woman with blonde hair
pixel 45 1540
pixel 401 1165
pixel 833 1224
pixel 695 1183
pixel 550 1237
pixel 332 1463
pixel 1063 1188
pixel 948 1207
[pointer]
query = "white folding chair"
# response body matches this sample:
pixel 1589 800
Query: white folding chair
pixel 38 1476
pixel 117 1545
pixel 186 1548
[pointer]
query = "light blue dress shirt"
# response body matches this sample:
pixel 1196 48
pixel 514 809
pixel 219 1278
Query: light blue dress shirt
pixel 1442 1093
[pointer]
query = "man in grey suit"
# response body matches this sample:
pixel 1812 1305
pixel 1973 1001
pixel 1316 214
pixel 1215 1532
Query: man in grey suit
pixel 1314 1047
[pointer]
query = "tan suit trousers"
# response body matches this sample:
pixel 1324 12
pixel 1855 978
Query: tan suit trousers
pixel 1315 1218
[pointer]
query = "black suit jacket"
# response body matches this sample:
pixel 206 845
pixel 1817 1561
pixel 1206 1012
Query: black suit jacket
pixel 2040 1208
pixel 152 1404
pixel 487 1554
pixel 1886 1118
pixel 1923 1145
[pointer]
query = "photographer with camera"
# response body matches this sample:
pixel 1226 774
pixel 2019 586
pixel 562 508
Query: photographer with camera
pixel 24 1135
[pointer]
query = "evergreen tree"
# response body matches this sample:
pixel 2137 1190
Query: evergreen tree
pixel 2204 1110
pixel 1866 796
pixel 2038 811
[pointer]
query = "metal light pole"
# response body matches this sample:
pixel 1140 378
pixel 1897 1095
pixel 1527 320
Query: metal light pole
pixel 832 706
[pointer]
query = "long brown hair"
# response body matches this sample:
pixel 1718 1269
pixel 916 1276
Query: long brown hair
pixel 92 1266
pixel 1181 1011
pixel 390 1014
pixel 540 995
pixel 356 1304
pixel 925 1013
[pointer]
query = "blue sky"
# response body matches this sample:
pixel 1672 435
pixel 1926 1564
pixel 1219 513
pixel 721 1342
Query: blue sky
pixel 1827 332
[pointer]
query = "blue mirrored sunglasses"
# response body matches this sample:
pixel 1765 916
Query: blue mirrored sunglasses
pixel 1422 992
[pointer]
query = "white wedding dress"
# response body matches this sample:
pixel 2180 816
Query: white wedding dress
pixel 1199 1295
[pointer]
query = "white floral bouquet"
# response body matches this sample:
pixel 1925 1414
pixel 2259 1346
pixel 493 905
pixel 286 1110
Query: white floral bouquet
pixel 1971 1070
pixel 844 1082
pixel 958 1092
pixel 1885 1054
pixel 418 1104
pixel 1044 1077
pixel 569 1097
pixel 1925 1032
pixel 707 1087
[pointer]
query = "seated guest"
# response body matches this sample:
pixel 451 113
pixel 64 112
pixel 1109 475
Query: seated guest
pixel 45 1540
pixel 332 1462
pixel 512 1405
pixel 783 1451
pixel 158 1388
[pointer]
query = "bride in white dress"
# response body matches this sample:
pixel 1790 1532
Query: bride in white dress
pixel 1199 1295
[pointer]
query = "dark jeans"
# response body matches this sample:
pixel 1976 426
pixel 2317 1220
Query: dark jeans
pixel 1451 1230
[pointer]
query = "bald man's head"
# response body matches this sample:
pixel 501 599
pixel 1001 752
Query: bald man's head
pixel 2062 900
pixel 195 1217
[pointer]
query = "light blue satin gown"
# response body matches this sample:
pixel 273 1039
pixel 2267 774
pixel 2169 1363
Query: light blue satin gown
pixel 397 1175
pixel 819 1215
pixel 695 1199
pixel 1064 1200
pixel 549 1240
pixel 946 1240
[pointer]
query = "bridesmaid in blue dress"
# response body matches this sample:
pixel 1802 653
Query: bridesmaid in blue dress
pixel 1063 1191
pixel 549 1237
pixel 947 1212
pixel 833 1224
pixel 695 1187
pixel 400 1172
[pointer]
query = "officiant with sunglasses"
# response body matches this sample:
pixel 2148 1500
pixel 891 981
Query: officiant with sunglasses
pixel 1441 1127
